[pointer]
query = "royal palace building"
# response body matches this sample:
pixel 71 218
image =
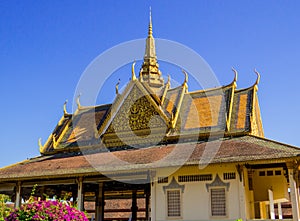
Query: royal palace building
pixel 164 153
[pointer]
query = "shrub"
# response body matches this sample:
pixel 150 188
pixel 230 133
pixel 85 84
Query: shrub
pixel 47 210
pixel 4 209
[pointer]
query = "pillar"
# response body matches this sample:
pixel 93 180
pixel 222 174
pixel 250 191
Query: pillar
pixel 134 207
pixel 80 194
pixel 100 203
pixel 294 195
pixel 153 200
pixel 271 200
pixel 147 203
pixel 18 195
pixel 242 197
pixel 262 208
pixel 279 211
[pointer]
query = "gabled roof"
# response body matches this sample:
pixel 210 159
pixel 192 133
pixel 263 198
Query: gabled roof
pixel 243 150
pixel 208 110
pixel 223 110
pixel 76 130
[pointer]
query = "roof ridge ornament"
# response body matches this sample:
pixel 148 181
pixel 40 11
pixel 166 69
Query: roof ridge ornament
pixel 258 77
pixel 65 108
pixel 41 146
pixel 78 101
pixel 117 86
pixel 186 77
pixel 133 77
pixel 235 74
pixel 169 80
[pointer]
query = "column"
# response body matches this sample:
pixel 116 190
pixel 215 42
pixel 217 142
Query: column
pixel 279 211
pixel 147 202
pixel 262 208
pixel 100 203
pixel 271 200
pixel 153 200
pixel 18 195
pixel 294 195
pixel 134 207
pixel 80 194
pixel 242 197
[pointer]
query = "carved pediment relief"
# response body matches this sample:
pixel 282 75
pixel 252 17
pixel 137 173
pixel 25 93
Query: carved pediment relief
pixel 138 116
pixel 136 113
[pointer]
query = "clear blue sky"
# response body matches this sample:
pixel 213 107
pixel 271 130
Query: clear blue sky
pixel 46 45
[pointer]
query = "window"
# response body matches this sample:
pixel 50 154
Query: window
pixel 229 176
pixel 162 180
pixel 195 178
pixel 173 203
pixel 262 173
pixel 218 202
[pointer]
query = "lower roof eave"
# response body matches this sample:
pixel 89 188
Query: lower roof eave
pixel 245 162
pixel 135 169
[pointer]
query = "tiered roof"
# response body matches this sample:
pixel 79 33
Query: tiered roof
pixel 177 112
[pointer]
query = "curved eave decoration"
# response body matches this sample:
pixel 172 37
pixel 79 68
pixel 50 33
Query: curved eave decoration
pixel 174 185
pixel 217 183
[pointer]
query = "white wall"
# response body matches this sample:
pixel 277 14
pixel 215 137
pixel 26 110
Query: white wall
pixel 196 198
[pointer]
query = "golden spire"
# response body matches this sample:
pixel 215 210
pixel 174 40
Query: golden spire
pixel 149 72
pixel 150 53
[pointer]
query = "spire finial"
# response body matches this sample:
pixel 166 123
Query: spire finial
pixel 150 23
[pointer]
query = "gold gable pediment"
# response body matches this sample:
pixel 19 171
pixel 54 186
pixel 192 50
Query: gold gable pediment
pixel 135 119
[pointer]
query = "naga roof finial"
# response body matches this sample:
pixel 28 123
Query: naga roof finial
pixel 235 74
pixel 186 77
pixel 65 108
pixel 133 77
pixel 78 101
pixel 40 145
pixel 117 87
pixel 258 77
pixel 169 80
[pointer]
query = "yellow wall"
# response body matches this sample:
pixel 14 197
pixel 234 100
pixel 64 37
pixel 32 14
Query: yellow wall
pixel 277 183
